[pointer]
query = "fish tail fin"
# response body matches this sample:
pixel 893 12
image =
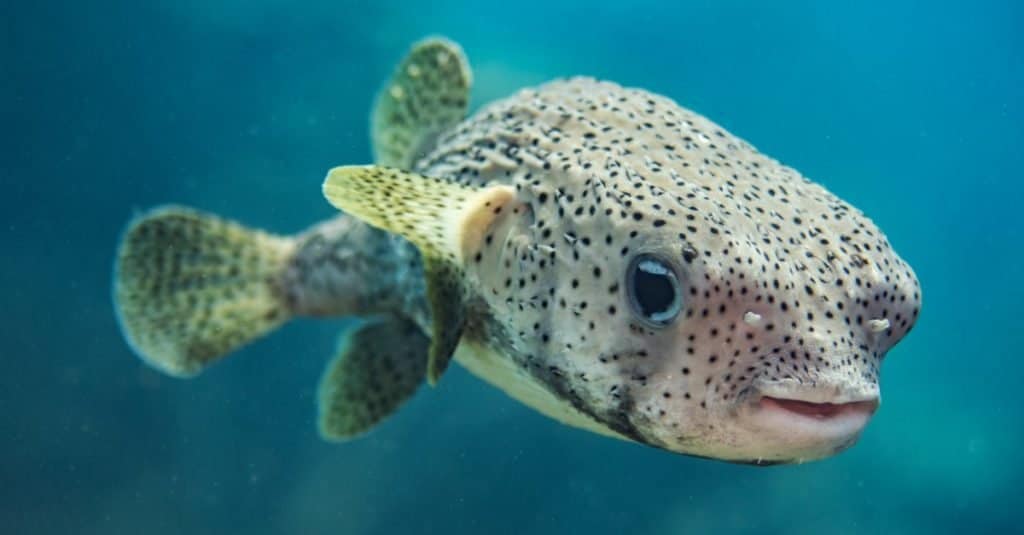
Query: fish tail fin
pixel 191 287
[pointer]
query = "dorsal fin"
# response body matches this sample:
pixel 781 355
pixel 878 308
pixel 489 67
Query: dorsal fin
pixel 427 94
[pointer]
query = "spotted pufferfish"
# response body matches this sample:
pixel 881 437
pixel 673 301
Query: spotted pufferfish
pixel 601 254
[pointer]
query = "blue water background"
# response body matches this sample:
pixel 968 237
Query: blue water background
pixel 910 110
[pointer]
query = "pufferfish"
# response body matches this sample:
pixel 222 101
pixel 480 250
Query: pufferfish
pixel 615 261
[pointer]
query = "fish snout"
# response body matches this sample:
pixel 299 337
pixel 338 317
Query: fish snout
pixel 823 390
pixel 807 420
pixel 819 400
pixel 819 411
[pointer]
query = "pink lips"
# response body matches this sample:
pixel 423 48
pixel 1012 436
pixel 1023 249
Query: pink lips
pixel 820 411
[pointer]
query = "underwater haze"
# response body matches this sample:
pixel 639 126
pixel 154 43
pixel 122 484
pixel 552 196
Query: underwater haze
pixel 911 111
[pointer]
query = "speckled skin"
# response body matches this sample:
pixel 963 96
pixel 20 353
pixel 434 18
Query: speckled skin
pixel 786 287
pixel 343 266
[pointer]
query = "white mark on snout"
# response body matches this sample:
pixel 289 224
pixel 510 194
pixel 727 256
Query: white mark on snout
pixel 878 325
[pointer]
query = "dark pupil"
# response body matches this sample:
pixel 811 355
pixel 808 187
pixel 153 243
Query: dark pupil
pixel 654 292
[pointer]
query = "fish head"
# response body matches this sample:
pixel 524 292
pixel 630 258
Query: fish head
pixel 745 345
pixel 696 297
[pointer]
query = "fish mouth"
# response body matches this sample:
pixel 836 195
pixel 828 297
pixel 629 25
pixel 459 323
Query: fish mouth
pixel 793 425
pixel 819 411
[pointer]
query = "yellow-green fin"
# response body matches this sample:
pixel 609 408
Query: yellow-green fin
pixel 378 366
pixel 446 293
pixel 445 220
pixel 191 287
pixel 427 94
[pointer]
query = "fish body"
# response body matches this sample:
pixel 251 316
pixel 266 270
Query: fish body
pixel 607 257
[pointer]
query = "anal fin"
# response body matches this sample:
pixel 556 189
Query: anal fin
pixel 379 365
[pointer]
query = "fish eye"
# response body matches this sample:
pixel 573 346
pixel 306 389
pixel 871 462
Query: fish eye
pixel 654 291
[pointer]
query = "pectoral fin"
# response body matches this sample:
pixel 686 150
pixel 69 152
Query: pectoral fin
pixel 446 221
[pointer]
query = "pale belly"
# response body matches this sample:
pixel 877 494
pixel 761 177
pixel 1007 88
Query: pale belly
pixel 502 374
